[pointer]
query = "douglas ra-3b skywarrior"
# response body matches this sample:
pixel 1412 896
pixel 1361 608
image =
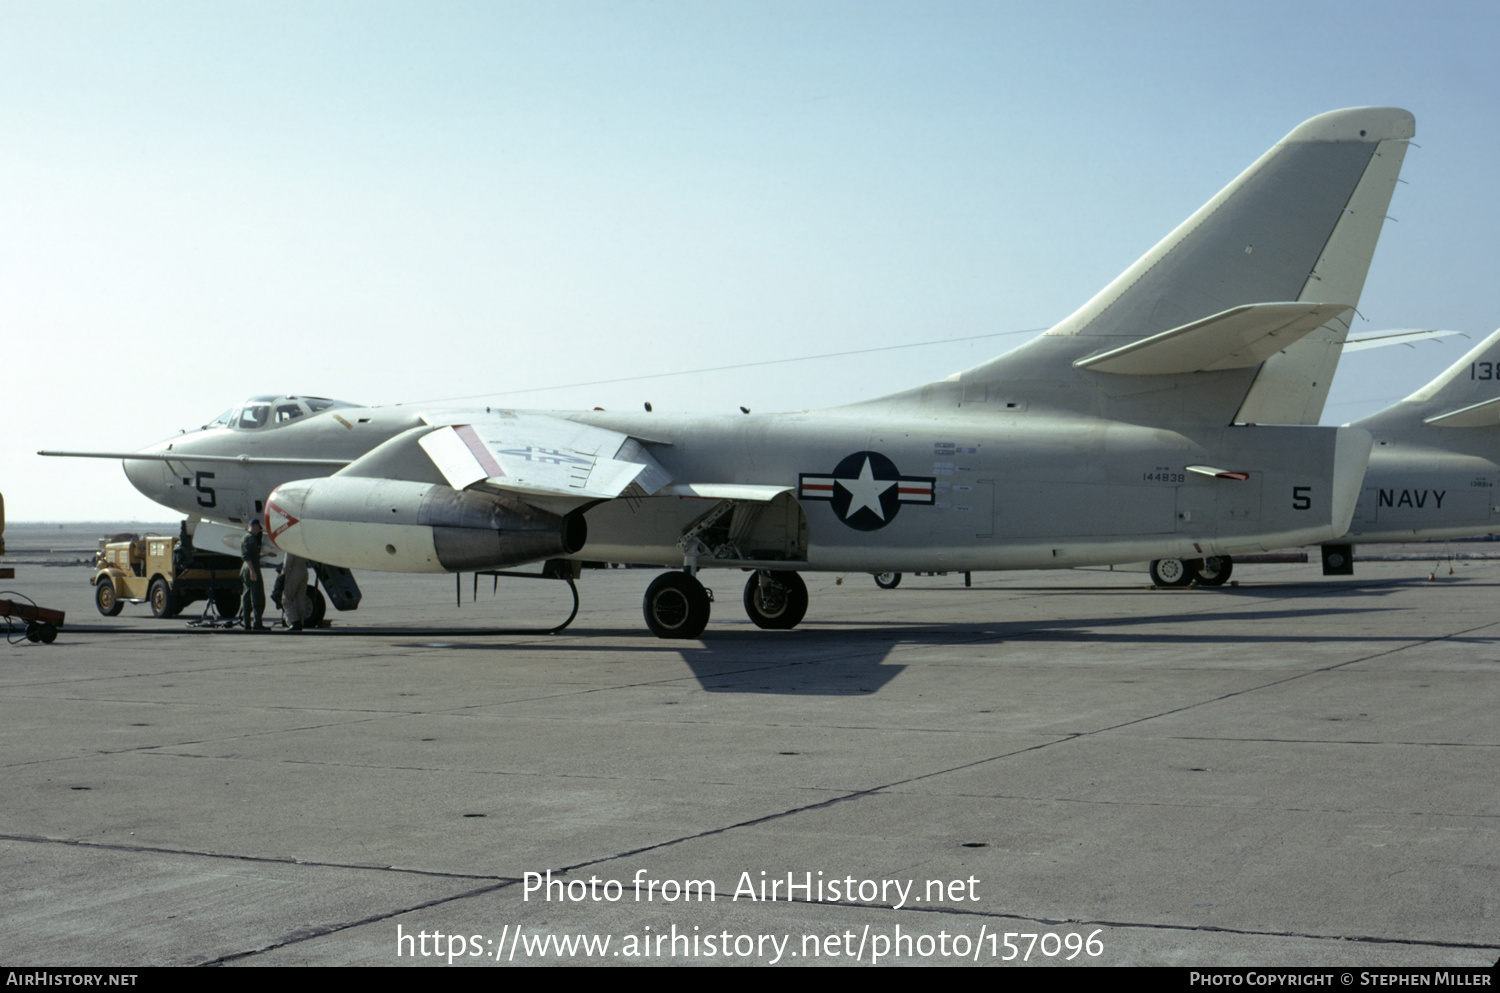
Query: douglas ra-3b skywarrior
pixel 1124 433
pixel 1434 471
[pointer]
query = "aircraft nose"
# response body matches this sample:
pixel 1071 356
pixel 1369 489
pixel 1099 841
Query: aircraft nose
pixel 153 479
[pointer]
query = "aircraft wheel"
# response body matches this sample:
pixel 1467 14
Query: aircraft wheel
pixel 47 631
pixel 779 604
pixel 106 599
pixel 1215 570
pixel 33 632
pixel 676 606
pixel 163 604
pixel 319 607
pixel 227 604
pixel 1172 572
pixel 888 580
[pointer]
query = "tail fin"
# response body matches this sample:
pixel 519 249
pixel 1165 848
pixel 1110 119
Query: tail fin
pixel 1466 395
pixel 1292 386
pixel 1190 316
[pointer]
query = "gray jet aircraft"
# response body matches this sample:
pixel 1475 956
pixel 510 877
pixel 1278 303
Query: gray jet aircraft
pixel 1123 433
pixel 1435 468
pixel 1434 471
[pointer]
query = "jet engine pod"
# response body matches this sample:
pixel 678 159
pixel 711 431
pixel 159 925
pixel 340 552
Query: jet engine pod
pixel 391 525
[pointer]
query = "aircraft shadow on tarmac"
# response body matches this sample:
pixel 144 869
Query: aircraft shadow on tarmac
pixel 1192 595
pixel 848 658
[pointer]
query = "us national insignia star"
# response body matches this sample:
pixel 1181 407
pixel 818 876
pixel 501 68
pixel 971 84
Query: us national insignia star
pixel 866 490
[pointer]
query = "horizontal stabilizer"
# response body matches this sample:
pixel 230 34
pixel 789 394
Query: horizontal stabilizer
pixel 1403 337
pixel 1232 339
pixel 1478 415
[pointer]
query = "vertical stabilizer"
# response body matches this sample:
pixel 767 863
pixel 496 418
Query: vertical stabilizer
pixel 1292 386
pixel 1262 238
pixel 1466 395
pixel 1298 226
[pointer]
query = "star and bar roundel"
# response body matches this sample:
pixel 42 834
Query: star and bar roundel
pixel 866 490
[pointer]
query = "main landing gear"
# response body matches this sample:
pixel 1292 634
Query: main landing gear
pixel 1211 571
pixel 677 605
pixel 776 601
pixel 1215 570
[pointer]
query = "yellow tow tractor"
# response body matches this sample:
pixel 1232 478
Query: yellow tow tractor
pixel 167 572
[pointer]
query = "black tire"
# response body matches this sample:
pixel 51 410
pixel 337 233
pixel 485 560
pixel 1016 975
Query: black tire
pixel 779 606
pixel 1173 573
pixel 227 604
pixel 48 632
pixel 33 632
pixel 318 609
pixel 888 580
pixel 676 606
pixel 1215 570
pixel 106 599
pixel 163 603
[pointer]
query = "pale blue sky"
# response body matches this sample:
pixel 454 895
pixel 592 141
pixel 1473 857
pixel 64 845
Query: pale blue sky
pixel 390 202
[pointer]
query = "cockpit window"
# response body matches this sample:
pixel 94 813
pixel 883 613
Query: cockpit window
pixel 255 415
pixel 273 411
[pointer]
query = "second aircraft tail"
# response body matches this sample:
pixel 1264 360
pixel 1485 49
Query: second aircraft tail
pixel 1466 395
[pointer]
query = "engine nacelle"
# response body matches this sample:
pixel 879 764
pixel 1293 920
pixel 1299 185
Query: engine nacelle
pixel 390 525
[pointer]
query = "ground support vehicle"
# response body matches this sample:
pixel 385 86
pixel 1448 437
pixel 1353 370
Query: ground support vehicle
pixel 164 571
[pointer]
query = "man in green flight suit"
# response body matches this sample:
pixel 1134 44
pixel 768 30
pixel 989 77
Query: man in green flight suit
pixel 253 602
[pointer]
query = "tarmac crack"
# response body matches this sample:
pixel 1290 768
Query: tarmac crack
pixel 1373 811
pixel 264 859
pixel 778 815
pixel 1156 926
pixel 322 931
pixel 1342 741
pixel 1292 678
pixel 238 668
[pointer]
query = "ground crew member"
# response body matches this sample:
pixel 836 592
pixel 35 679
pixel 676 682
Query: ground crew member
pixel 253 602
pixel 294 591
